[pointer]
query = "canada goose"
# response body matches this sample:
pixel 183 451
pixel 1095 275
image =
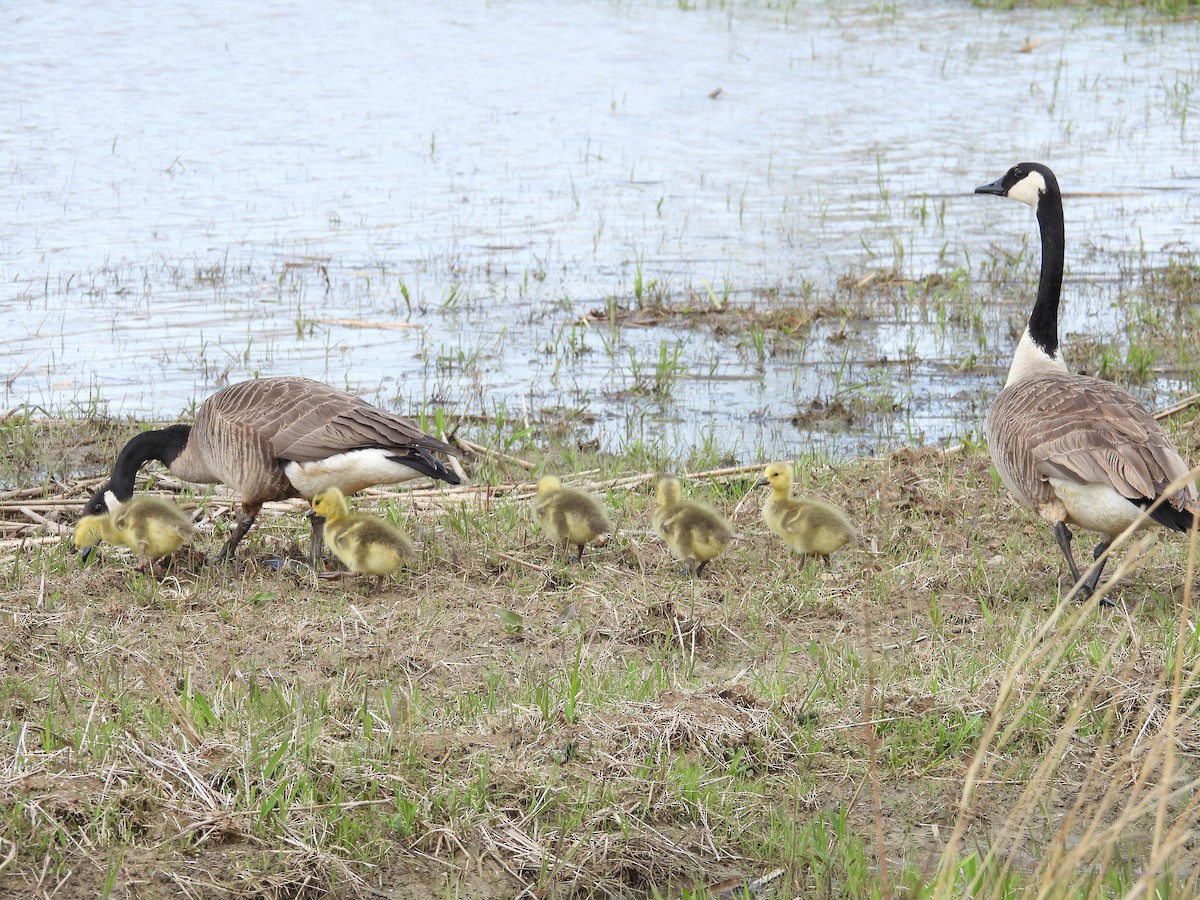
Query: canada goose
pixel 150 527
pixel 1076 450
pixel 569 516
pixel 694 532
pixel 363 543
pixel 805 525
pixel 275 438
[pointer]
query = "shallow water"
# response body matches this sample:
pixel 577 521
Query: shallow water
pixel 425 202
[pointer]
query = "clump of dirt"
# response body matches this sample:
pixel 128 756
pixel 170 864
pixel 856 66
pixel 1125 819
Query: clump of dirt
pixel 823 410
pixel 1177 283
pixel 872 280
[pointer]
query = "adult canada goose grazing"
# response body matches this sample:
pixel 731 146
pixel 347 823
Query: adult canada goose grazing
pixel 569 516
pixel 1076 450
pixel 150 527
pixel 365 544
pixel 805 525
pixel 694 532
pixel 275 438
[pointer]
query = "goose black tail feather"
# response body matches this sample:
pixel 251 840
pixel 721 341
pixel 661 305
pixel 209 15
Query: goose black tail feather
pixel 420 459
pixel 1170 517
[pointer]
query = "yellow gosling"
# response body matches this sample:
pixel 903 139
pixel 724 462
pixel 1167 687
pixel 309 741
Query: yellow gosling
pixel 150 527
pixel 694 532
pixel 569 516
pixel 365 544
pixel 807 526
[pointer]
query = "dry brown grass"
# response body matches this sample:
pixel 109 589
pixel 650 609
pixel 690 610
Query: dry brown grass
pixel 501 723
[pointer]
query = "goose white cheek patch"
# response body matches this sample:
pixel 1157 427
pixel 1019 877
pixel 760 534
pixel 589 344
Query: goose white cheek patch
pixel 1029 189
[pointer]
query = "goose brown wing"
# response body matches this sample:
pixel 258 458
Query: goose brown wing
pixel 305 420
pixel 1087 431
pixel 334 425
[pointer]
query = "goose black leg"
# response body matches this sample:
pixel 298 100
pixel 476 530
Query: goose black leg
pixel 244 521
pixel 1094 578
pixel 317 550
pixel 1063 535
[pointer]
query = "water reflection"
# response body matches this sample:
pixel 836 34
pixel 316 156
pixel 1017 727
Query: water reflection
pixel 426 202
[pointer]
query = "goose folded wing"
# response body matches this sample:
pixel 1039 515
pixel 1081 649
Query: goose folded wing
pixel 1136 460
pixel 327 427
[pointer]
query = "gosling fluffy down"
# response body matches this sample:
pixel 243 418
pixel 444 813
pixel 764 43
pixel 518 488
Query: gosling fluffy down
pixel 569 516
pixel 150 527
pixel 694 532
pixel 365 544
pixel 805 525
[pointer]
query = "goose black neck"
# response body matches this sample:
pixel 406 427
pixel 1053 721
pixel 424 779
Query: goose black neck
pixel 163 444
pixel 1043 321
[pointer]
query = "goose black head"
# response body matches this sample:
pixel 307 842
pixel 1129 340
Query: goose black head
pixel 105 500
pixel 1027 182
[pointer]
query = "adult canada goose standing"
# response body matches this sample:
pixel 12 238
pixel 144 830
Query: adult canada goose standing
pixel 1077 450
pixel 275 438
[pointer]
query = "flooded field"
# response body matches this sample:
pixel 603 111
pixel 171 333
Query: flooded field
pixel 741 229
